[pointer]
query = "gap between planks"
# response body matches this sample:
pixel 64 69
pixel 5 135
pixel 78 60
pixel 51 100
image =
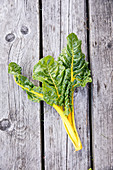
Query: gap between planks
pixel 41 102
pixel 90 89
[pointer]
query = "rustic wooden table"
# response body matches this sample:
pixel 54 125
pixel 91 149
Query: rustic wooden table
pixel 29 139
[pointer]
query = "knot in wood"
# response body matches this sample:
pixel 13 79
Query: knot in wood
pixel 4 124
pixel 24 30
pixel 10 37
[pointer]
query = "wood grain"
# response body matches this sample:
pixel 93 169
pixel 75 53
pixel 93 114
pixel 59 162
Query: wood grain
pixel 20 140
pixel 101 55
pixel 54 132
pixel 59 19
pixel 19 118
pixel 77 23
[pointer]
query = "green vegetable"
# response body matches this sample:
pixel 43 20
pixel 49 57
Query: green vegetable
pixel 59 80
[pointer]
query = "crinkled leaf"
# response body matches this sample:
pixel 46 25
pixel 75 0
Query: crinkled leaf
pixel 24 82
pixel 33 97
pixel 51 74
pixel 72 57
pixel 55 82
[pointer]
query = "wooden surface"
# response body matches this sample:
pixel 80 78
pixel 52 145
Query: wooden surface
pixel 20 135
pixel 101 55
pixel 19 117
pixel 60 19
pixel 77 23
pixel 54 132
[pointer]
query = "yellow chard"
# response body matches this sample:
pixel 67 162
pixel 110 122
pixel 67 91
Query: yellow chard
pixel 59 80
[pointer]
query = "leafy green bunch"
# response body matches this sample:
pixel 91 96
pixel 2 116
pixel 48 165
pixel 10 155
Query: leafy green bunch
pixel 59 80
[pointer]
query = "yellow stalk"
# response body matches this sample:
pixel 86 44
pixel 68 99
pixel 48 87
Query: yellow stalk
pixel 72 122
pixel 72 114
pixel 69 129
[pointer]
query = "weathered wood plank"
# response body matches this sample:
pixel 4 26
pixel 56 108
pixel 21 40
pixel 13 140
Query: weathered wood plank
pixel 101 54
pixel 20 132
pixel 59 19
pixel 55 136
pixel 77 23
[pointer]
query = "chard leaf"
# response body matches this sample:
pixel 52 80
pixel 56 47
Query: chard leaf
pixel 51 74
pixel 34 92
pixel 72 57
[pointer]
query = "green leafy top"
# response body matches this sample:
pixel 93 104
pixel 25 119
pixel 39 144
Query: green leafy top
pixel 72 57
pixel 59 78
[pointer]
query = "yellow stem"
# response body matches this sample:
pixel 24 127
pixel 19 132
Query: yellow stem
pixel 69 129
pixel 73 120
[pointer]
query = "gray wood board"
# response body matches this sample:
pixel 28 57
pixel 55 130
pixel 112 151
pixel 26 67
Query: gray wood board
pixel 59 18
pixel 19 117
pixel 101 56
pixel 54 132
pixel 77 22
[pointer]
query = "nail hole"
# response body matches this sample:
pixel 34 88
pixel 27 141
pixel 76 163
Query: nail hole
pixel 24 30
pixel 10 37
pixel 95 43
pixel 109 45
pixel 105 86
